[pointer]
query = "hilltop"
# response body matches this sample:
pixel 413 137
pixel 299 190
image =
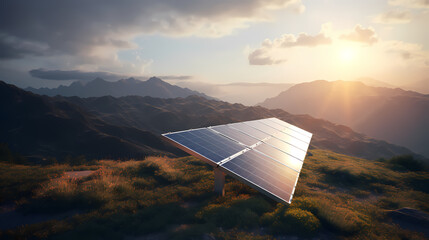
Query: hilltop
pixel 394 115
pixel 337 197
pixel 153 87
pixel 39 127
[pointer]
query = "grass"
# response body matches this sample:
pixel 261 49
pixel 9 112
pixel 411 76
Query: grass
pixel 336 196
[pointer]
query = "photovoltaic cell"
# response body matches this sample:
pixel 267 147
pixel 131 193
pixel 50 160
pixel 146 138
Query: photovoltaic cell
pixel 262 127
pixel 297 129
pixel 280 156
pixel 249 130
pixel 235 134
pixel 295 134
pixel 287 148
pixel 265 173
pixel 207 143
pixel 266 154
pixel 292 140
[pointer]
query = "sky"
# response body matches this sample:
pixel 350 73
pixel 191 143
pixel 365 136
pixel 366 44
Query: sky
pixel 48 43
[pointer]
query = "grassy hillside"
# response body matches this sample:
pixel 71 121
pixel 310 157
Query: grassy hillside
pixel 337 196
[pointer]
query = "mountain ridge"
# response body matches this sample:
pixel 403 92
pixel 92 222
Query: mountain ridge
pixel 131 126
pixel 154 87
pixel 394 115
pixel 169 115
pixel 41 126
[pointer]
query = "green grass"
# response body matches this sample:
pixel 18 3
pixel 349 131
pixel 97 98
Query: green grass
pixel 336 195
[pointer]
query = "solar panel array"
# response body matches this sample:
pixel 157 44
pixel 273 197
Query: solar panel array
pixel 266 154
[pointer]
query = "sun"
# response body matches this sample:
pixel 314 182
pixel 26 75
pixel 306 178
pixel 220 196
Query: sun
pixel 347 54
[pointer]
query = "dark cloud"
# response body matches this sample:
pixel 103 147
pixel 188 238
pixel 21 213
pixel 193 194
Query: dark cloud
pixel 64 75
pixel 12 47
pixel 80 27
pixel 361 34
pixel 71 75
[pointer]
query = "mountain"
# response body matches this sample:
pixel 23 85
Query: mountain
pixel 167 115
pixel 41 126
pixel 395 115
pixel 373 82
pixel 153 87
pixel 245 93
pixel 421 86
pixel 130 126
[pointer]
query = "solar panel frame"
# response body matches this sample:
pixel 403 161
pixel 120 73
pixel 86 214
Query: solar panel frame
pixel 245 132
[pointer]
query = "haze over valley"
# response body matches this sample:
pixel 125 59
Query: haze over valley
pixel 394 115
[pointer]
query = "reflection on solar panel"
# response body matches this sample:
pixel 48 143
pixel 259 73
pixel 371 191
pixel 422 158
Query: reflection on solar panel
pixel 266 154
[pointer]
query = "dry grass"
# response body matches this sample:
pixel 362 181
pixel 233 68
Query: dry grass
pixel 336 195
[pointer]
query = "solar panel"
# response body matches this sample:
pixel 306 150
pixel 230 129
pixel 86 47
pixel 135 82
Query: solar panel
pixel 266 154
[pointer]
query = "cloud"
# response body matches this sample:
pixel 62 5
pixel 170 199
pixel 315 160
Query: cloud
pixel 177 78
pixel 362 35
pixel 92 28
pixel 393 17
pixel 61 75
pixel 303 39
pixel 13 47
pixel 261 56
pixel 64 75
pixel 410 3
pixel 408 52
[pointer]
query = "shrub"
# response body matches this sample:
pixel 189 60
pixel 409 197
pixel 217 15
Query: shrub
pixel 407 163
pixel 305 203
pixel 255 204
pixel 243 213
pixel 300 221
pixel 291 220
pixel 388 203
pixel 340 218
pixel 195 231
pixel 419 182
pixel 229 217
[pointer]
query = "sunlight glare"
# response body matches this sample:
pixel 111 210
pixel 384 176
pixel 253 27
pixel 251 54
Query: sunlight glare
pixel 347 54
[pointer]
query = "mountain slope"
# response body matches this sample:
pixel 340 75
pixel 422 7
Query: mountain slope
pixel 153 87
pixel 165 115
pixel 41 126
pixel 421 86
pixel 123 127
pixel 373 82
pixel 393 115
pixel 336 197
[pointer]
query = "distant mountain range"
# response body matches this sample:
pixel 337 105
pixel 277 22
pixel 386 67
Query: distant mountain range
pixel 373 82
pixel 40 126
pixel 129 126
pixel 421 86
pixel 394 115
pixel 165 115
pixel 242 92
pixel 251 94
pixel 153 87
